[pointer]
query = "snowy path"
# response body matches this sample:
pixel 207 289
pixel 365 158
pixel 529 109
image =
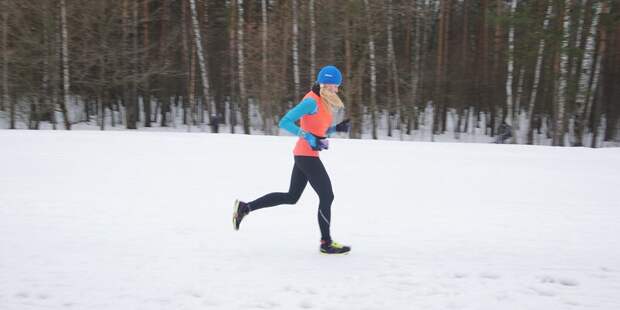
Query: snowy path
pixel 121 220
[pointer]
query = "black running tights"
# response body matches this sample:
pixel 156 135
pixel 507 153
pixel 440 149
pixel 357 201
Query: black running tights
pixel 306 169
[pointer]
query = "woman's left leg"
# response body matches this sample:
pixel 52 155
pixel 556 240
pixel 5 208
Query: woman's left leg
pixel 319 180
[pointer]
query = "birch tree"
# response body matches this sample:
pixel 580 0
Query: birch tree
pixel 201 56
pixel 602 49
pixel 4 99
pixel 373 71
pixel 440 65
pixel 498 71
pixel 511 35
pixel 414 64
pixel 348 63
pixel 64 52
pixel 233 65
pixel 584 70
pixel 133 108
pixel 562 70
pixel 267 115
pixel 482 67
pixel 537 72
pixel 312 40
pixel 241 59
pixel 146 85
pixel 393 67
pixel 192 88
pixel 295 51
pixel 164 95
pixel 462 111
pixel 43 109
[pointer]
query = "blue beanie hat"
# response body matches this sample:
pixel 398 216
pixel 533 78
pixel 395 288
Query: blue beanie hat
pixel 329 75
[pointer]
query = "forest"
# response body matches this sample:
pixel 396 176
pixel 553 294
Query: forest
pixel 547 67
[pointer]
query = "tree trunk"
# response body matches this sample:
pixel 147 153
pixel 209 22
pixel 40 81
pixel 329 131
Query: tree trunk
pixel 295 51
pixel 464 74
pixel 186 67
pixel 574 12
pixel 4 99
pixel 518 108
pixel 12 110
pixel 561 69
pixel 353 106
pixel 429 16
pixel 584 69
pixel 482 67
pixel 241 59
pixel 393 67
pixel 201 57
pixel 65 64
pixel 133 108
pixel 373 71
pixel 312 41
pixel 496 108
pixel 146 92
pixel 415 57
pixel 602 47
pixel 45 101
pixel 268 112
pixel 128 42
pixel 191 120
pixel 537 70
pixel 610 92
pixel 55 77
pixel 511 56
pixel 439 97
pixel 232 44
pixel 164 96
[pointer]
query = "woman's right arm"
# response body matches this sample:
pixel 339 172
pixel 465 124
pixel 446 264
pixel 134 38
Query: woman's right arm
pixel 306 106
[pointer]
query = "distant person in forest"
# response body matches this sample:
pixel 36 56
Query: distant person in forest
pixel 504 132
pixel 315 115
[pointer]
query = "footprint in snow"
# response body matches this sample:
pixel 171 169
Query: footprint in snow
pixel 211 303
pixel 195 294
pixel 267 304
pixel 572 303
pixel 561 281
pixel 308 290
pixel 404 284
pixel 311 291
pixel 490 275
pixel 568 282
pixel 460 275
pixel 22 295
pixel 306 304
pixel 543 292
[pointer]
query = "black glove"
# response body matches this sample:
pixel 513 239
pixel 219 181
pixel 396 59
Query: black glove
pixel 343 126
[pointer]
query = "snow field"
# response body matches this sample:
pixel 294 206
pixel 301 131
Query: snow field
pixel 134 220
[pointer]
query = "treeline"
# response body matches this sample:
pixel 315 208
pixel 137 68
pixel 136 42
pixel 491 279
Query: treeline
pixel 532 64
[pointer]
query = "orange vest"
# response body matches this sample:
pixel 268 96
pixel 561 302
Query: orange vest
pixel 317 124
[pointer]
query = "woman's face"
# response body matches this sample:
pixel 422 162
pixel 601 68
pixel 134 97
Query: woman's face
pixel 331 87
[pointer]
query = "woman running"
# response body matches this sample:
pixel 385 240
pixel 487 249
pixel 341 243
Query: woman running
pixel 315 115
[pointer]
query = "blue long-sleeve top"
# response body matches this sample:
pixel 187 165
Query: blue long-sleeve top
pixel 308 106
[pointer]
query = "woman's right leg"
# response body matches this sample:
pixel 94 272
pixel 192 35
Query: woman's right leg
pixel 298 183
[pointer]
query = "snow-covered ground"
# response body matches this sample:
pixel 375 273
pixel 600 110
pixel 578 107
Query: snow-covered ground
pixel 142 220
